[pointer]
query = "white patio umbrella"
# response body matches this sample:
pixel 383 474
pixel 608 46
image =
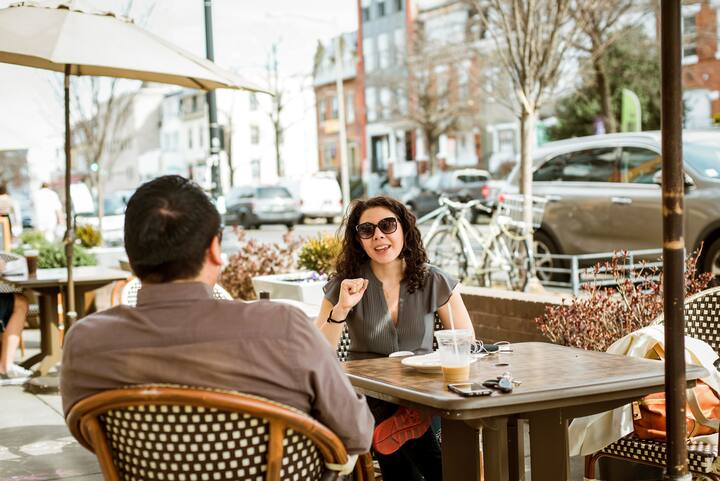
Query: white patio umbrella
pixel 71 37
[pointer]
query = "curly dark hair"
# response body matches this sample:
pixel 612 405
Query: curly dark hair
pixel 352 255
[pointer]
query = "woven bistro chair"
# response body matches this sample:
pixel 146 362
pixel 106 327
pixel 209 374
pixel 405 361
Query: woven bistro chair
pixel 702 321
pixel 178 433
pixel 129 293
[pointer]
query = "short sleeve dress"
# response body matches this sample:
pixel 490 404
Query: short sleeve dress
pixel 372 332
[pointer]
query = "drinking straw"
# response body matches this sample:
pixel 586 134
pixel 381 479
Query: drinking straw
pixel 452 329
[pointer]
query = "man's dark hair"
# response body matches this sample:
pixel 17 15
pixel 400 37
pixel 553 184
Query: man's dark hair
pixel 169 224
pixel 3 189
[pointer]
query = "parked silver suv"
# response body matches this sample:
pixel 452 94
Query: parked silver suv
pixel 604 194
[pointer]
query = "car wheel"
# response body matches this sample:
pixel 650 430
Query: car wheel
pixel 290 225
pixel 711 262
pixel 545 248
pixel 330 220
pixel 245 222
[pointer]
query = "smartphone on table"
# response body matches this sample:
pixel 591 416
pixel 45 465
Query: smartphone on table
pixel 469 389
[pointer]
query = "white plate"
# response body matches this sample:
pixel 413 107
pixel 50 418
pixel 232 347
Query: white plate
pixel 429 363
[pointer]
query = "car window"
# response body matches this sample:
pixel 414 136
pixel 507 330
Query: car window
pixel 550 170
pixel 273 193
pixel 639 165
pixel 471 178
pixel 704 158
pixel 592 165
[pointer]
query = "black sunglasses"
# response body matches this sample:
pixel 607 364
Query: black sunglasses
pixel 366 230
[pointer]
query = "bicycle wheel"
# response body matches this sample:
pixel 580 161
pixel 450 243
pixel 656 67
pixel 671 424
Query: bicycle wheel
pixel 445 250
pixel 505 262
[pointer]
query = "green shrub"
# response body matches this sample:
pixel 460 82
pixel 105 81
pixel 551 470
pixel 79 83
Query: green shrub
pixel 33 238
pixel 53 255
pixel 88 235
pixel 320 254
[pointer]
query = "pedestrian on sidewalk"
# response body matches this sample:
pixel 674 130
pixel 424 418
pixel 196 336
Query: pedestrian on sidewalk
pixel 13 309
pixel 7 206
pixel 48 212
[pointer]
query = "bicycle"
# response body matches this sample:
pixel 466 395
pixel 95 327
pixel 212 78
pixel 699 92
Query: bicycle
pixel 502 254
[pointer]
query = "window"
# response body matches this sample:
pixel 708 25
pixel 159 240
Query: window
pixel 190 142
pixel 463 79
pixel 329 154
pixel 383 50
pixel 369 54
pixel 381 8
pixel 273 193
pixel 399 41
pixel 193 104
pixel 334 107
pixel 371 104
pixel 365 10
pixel 200 138
pixel 401 102
pixel 638 165
pixel 322 110
pixel 398 5
pixel 254 134
pixel 689 35
pixel 253 101
pixel 591 165
pixel 255 169
pixel 385 102
pixel 349 108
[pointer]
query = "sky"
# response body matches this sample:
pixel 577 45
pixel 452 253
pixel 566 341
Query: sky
pixel 244 31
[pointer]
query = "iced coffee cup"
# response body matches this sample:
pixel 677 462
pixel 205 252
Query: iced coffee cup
pixel 31 256
pixel 454 351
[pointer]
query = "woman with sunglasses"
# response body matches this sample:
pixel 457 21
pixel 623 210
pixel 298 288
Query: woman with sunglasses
pixel 388 295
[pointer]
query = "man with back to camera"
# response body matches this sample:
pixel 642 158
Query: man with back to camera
pixel 179 334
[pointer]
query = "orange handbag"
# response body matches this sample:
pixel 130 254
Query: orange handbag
pixel 702 413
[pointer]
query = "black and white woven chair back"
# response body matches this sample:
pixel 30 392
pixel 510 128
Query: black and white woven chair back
pixel 129 294
pixel 702 317
pixel 193 443
pixel 343 346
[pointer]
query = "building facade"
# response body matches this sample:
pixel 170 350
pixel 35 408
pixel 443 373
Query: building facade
pixel 326 104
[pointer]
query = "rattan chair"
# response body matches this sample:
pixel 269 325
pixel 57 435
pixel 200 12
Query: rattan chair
pixel 128 295
pixel 176 433
pixel 702 321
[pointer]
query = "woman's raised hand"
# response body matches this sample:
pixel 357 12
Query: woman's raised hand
pixel 351 291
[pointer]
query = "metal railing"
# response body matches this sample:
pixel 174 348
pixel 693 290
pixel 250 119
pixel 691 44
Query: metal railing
pixel 581 268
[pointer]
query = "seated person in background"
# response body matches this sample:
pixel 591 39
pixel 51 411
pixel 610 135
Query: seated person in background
pixel 13 309
pixel 388 295
pixel 179 334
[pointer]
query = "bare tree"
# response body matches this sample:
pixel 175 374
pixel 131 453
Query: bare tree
pixel 600 22
pixel 437 102
pixel 532 38
pixel 278 106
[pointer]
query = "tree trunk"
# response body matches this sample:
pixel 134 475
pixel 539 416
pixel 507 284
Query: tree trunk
pixel 280 170
pixel 431 143
pixel 527 124
pixel 101 202
pixel 603 87
pixel 229 152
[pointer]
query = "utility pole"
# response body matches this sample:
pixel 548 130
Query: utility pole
pixel 215 184
pixel 344 174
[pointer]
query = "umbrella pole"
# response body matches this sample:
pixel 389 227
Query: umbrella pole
pixel 673 189
pixel 69 239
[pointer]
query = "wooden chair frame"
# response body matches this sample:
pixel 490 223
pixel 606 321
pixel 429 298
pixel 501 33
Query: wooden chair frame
pixel 87 429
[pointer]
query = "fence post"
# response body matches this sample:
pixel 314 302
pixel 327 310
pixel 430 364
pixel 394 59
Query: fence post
pixel 574 275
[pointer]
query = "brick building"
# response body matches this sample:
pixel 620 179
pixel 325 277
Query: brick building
pixel 326 104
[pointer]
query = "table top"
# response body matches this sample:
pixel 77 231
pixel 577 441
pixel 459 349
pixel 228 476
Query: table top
pixel 54 277
pixel 551 376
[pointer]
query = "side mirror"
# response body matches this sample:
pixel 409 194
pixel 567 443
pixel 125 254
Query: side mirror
pixel 687 180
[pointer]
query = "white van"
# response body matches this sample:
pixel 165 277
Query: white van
pixel 319 196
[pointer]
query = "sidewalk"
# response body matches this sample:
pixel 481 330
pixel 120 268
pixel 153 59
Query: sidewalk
pixel 35 444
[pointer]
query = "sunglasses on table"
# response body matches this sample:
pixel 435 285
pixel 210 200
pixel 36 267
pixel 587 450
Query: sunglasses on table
pixel 366 230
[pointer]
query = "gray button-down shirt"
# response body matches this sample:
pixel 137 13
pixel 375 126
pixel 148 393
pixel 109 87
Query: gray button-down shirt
pixel 179 334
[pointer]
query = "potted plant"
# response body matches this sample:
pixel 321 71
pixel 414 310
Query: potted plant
pixel 316 259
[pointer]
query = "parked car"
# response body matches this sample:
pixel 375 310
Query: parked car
pixel 462 184
pixel 319 196
pixel 604 194
pixel 113 221
pixel 252 207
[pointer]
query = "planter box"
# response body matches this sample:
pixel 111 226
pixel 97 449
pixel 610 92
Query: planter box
pixel 291 286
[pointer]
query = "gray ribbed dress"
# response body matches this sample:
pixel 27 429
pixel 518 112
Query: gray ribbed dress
pixel 372 332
